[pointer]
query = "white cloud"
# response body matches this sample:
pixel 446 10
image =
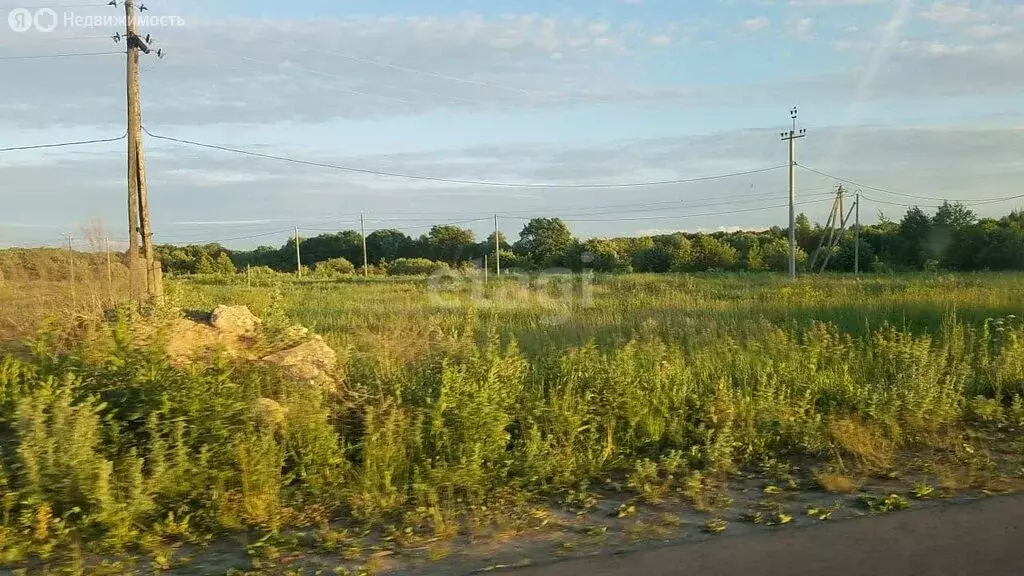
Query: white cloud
pixel 950 13
pixel 756 24
pixel 660 40
pixel 829 3
pixel 360 67
pixel 988 31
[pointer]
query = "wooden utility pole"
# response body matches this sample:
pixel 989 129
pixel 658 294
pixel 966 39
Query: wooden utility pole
pixel 140 227
pixel 110 273
pixel 856 241
pixel 497 248
pixel 792 136
pixel 835 236
pixel 486 271
pixel 71 270
pixel 362 231
pixel 298 255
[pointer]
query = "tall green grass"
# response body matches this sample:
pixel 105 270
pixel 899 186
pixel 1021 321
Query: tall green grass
pixel 439 407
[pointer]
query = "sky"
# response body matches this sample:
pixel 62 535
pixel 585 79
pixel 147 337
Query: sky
pixel 908 98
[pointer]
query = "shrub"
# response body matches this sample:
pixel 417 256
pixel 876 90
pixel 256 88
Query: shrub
pixel 334 267
pixel 415 267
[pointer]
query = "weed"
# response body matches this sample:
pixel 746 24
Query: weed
pixel 456 419
pixel 922 491
pixel 824 512
pixel 890 503
pixel 715 526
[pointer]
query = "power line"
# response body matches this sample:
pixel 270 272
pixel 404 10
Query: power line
pixel 452 180
pixel 209 241
pixel 417 227
pixel 64 55
pixel 663 205
pixel 892 193
pixel 678 216
pixel 877 201
pixel 64 144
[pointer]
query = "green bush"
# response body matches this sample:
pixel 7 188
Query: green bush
pixel 415 267
pixel 334 267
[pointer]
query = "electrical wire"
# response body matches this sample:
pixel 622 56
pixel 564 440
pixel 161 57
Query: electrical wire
pixel 977 201
pixel 455 223
pixel 64 55
pixel 64 144
pixel 673 217
pixel 453 180
pixel 664 205
pixel 250 237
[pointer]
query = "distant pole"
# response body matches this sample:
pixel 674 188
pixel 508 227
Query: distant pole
pixel 792 136
pixel 110 274
pixel 486 271
pixel 497 248
pixel 362 230
pixel 71 268
pixel 298 256
pixel 856 240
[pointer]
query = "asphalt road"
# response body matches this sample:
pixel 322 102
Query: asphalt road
pixel 981 538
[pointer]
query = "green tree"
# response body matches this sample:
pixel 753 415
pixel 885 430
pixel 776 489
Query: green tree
pixel 775 255
pixel 805 237
pixel 953 217
pixel 388 245
pixel 710 253
pixel 544 242
pixel 599 255
pixel 450 244
pixel 487 246
pixel 949 220
pixel 205 264
pixel 916 231
pixel 224 265
pixel 347 244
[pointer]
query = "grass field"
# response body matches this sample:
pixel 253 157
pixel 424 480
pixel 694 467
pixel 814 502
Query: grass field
pixel 452 408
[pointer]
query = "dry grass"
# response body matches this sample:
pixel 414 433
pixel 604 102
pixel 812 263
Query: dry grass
pixel 836 483
pixel 872 446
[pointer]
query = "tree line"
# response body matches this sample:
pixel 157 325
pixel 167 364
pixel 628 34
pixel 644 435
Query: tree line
pixel 952 238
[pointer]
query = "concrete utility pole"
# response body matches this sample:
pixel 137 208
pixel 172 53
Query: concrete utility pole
pixel 792 136
pixel 856 238
pixel 497 248
pixel 139 223
pixel 362 230
pixel 298 256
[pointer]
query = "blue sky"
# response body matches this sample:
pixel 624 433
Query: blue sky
pixel 915 97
